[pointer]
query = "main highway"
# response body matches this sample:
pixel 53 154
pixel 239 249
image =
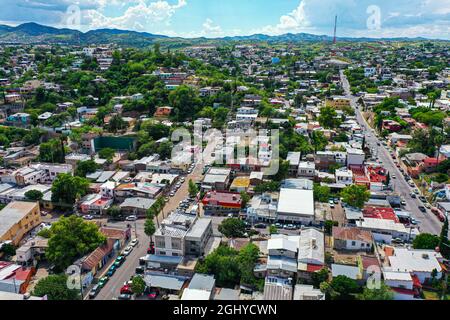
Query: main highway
pixel 428 222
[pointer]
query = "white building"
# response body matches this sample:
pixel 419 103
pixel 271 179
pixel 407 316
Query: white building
pixel 289 209
pixel 344 176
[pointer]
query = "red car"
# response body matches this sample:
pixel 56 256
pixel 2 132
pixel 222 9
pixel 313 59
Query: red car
pixel 153 294
pixel 126 290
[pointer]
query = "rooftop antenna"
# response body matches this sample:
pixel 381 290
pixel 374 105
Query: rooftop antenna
pixel 335 25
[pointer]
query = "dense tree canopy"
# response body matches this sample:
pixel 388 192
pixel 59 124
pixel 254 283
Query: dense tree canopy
pixel 71 238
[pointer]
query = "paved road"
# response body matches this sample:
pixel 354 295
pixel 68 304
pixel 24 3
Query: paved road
pixel 429 222
pixel 127 270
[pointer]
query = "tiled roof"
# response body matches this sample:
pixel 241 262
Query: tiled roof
pixel 348 233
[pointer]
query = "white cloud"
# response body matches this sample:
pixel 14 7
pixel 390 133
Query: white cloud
pixel 292 22
pixel 209 28
pixel 139 16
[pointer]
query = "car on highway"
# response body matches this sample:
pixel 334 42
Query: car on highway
pixel 88 217
pixel 124 296
pixel 94 291
pixel 102 282
pixel 134 242
pixel 127 250
pixel 422 208
pixel 131 218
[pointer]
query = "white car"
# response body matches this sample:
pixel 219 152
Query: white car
pixel 134 242
pixel 172 194
pixel 131 218
pixel 127 250
pixel 88 217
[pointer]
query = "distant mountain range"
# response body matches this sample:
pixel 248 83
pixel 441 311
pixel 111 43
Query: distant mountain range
pixel 36 33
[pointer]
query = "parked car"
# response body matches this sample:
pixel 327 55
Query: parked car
pixel 290 227
pixel 153 294
pixel 126 289
pixel 403 203
pixel 131 218
pixel 423 209
pixel 119 260
pixel 103 281
pixel 413 195
pixel 172 194
pixel 88 217
pixel 127 250
pixel 94 291
pixel 134 242
pixel 423 199
pixel 124 296
pixel 140 270
pixel 260 226
pixel 111 271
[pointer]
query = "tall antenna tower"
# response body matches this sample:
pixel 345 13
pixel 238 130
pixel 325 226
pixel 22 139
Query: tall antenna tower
pixel 335 25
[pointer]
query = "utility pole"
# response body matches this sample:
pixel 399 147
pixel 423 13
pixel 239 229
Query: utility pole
pixel 335 26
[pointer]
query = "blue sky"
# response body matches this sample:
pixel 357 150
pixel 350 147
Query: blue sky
pixel 216 18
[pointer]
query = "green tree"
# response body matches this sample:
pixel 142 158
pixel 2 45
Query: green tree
pixel 71 238
pixel 319 277
pixel 245 197
pixel 85 167
pixel 192 188
pixel 232 228
pixel 138 285
pixel 344 288
pixel 116 123
pixel 8 249
pixel 321 193
pixel 52 151
pixel 67 189
pixel 246 259
pixel 383 293
pixel 273 229
pixel 318 140
pixel 34 195
pixel 328 226
pixel 355 195
pixel 267 186
pixel 149 227
pixel 114 211
pixel 328 118
pixel 426 241
pixel 55 288
pixel 107 153
pixel 444 244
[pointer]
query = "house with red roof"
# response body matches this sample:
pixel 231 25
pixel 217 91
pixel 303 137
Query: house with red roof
pixel 385 213
pixel 15 278
pixel 222 202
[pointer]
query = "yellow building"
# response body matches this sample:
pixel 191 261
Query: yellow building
pixel 337 102
pixel 18 218
pixel 240 184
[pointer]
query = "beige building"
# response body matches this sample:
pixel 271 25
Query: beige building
pixel 337 102
pixel 18 218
